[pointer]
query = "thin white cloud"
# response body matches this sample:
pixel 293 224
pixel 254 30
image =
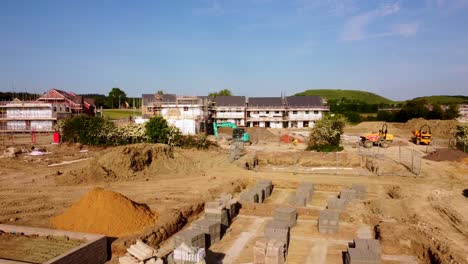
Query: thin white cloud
pixel 449 6
pixel 407 29
pixel 355 28
pixel 331 7
pixel 213 8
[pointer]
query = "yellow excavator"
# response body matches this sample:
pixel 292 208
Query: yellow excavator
pixel 381 138
pixel 422 136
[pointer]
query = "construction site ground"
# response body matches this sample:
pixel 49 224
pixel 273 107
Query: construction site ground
pixel 418 218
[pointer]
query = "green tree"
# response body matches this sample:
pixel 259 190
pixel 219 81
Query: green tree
pixel 224 92
pixel 116 97
pixel 326 134
pixel 451 112
pixel 436 112
pixel 157 130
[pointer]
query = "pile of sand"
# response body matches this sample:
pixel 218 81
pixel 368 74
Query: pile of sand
pixel 446 154
pixel 105 212
pixel 439 128
pixel 142 161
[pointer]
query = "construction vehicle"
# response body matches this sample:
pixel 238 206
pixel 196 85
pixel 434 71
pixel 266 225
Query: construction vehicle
pixel 423 135
pixel 238 134
pixel 381 138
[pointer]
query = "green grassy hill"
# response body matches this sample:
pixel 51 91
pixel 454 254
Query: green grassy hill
pixel 445 99
pixel 331 94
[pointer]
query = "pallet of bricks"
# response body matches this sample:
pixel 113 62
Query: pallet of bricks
pixel 273 248
pixel 364 251
pixel 191 244
pixel 303 194
pixel 258 193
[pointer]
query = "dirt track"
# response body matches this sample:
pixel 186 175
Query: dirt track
pixel 424 216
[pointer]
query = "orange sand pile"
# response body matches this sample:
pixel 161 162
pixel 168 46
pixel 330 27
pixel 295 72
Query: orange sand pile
pixel 105 212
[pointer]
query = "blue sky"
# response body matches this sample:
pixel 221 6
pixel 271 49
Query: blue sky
pixel 399 49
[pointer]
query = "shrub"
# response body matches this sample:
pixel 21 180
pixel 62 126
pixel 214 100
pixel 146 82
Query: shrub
pixel 325 136
pixel 90 130
pixel 157 130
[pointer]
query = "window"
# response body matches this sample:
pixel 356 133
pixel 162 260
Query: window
pixel 276 112
pixel 306 112
pixel 267 112
pixel 149 109
pixel 316 112
pixel 255 112
pixel 294 112
pixel 55 109
pixel 67 109
pixel 185 108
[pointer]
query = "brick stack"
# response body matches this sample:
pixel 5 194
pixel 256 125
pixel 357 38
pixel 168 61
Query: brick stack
pixel 365 251
pixel 248 196
pixel 286 214
pixel 348 195
pixel 216 211
pixel 279 230
pixel 191 237
pixel 328 221
pixel 336 204
pixel 269 252
pixel 298 199
pixel 230 204
pixel 211 229
pixel 267 186
pixel 360 189
pixel 260 190
pixel 306 189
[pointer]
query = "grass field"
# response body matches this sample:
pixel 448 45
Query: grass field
pixel 115 114
pixel 363 96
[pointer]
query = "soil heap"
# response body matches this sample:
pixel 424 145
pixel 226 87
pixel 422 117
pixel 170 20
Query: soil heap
pixel 446 154
pixel 439 128
pixel 105 212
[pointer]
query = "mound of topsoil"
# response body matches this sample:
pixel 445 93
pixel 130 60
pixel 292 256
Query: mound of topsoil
pixel 446 154
pixel 439 128
pixel 142 161
pixel 105 212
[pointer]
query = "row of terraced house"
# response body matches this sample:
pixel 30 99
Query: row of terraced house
pixel 192 114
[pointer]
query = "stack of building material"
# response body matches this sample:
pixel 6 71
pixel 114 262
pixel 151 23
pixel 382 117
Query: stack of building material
pixel 336 204
pixel 267 185
pixel 360 189
pixel 211 229
pixel 191 237
pixel 328 221
pixel 229 203
pixel 286 214
pixel 260 190
pixel 249 196
pixel 306 189
pixel 348 195
pixel 185 254
pixel 269 252
pixel 216 211
pixel 140 253
pixel 279 230
pixel 365 251
pixel 299 199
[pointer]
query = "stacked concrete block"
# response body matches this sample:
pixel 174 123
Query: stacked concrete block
pixel 221 217
pixel 211 229
pixel 185 254
pixel 260 190
pixel 361 192
pixel 286 214
pixel 268 186
pixel 299 199
pixel 365 251
pixel 279 230
pixel 230 204
pixel 328 221
pixel 336 204
pixel 306 189
pixel 249 196
pixel 269 252
pixel 191 237
pixel 348 195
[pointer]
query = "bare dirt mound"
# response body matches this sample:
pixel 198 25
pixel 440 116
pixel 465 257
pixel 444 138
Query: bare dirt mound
pixel 446 154
pixel 105 212
pixel 142 161
pixel 439 128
